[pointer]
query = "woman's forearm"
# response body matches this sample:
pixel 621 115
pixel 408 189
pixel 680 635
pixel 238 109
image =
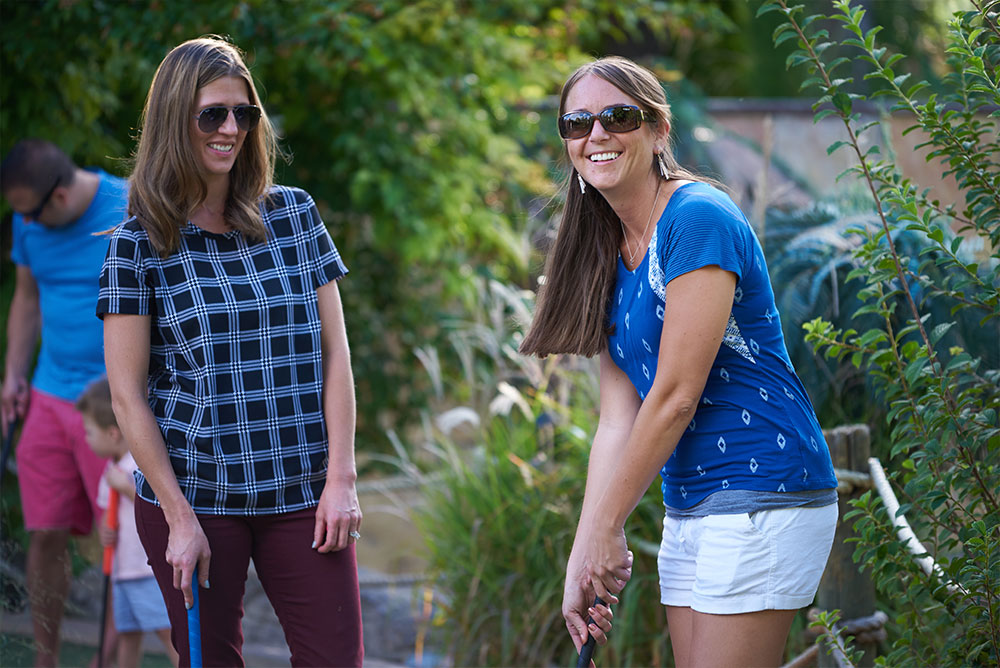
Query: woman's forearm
pixel 339 410
pixel 652 440
pixel 340 415
pixel 126 356
pixel 695 314
pixel 150 453
pixel 604 453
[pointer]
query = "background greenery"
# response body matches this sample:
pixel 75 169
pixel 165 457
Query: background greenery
pixel 424 130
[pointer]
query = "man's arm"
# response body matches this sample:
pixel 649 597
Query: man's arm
pixel 24 324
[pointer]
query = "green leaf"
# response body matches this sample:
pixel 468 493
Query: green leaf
pixel 842 101
pixel 940 331
pixel 835 145
pixel 835 63
pixel 782 28
pixel 769 6
pixel 784 37
pixel 795 59
pixel 811 81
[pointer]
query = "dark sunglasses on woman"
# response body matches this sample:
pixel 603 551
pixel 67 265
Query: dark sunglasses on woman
pixel 211 119
pixel 618 118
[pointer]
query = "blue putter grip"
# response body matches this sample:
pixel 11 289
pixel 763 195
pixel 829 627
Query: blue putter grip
pixel 194 624
pixel 587 651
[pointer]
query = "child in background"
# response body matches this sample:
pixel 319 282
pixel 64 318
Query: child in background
pixel 137 603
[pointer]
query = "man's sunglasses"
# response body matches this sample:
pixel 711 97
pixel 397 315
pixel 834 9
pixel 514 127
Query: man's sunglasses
pixel 44 202
pixel 211 118
pixel 618 118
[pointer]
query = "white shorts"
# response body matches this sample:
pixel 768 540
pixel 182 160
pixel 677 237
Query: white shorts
pixel 731 564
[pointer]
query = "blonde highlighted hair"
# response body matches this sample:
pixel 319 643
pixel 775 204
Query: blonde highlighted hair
pixel 168 182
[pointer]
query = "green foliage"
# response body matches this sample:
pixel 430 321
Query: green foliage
pixel 832 638
pixel 811 253
pixel 941 401
pixel 422 129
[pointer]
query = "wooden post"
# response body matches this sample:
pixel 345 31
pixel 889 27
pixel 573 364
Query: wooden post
pixel 843 586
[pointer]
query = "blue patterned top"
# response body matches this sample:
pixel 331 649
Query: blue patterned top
pixel 755 428
pixel 235 360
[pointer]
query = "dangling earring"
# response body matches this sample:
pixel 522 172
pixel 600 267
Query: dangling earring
pixel 663 166
pixel 583 184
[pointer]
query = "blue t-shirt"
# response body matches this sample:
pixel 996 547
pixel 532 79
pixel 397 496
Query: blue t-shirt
pixel 66 263
pixel 755 428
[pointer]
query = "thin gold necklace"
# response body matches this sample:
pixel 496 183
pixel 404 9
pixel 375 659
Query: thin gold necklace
pixel 638 244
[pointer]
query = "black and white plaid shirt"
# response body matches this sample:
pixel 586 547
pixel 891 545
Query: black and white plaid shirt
pixel 235 367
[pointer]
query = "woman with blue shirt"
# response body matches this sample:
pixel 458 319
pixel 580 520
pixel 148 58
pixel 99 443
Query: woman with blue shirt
pixel 230 372
pixel 656 270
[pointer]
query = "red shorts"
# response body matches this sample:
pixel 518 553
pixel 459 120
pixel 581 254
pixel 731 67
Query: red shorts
pixel 56 469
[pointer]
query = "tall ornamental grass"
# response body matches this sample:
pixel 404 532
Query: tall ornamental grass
pixel 501 504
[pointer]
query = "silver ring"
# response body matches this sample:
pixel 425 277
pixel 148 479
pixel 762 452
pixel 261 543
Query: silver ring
pixel 354 534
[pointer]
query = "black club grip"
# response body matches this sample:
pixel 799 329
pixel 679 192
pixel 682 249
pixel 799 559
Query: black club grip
pixel 587 651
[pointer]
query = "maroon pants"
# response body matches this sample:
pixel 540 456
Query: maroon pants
pixel 315 595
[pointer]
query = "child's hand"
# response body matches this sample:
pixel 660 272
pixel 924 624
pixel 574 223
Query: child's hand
pixel 107 535
pixel 121 481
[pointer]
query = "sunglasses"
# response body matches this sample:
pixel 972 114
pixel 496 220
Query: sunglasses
pixel 211 118
pixel 37 211
pixel 618 118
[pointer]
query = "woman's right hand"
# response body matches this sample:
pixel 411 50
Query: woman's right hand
pixel 188 547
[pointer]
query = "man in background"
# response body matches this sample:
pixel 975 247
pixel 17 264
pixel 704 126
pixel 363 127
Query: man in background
pixel 57 252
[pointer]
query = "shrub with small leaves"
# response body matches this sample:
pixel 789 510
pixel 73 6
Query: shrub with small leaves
pixel 941 401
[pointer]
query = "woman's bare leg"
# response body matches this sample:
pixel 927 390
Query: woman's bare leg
pixel 749 639
pixel 679 625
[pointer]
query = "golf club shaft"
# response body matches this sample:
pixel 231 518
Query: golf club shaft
pixel 8 447
pixel 111 521
pixel 587 651
pixel 194 624
pixel 104 621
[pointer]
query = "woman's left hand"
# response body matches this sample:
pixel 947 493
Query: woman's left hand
pixel 608 561
pixel 338 516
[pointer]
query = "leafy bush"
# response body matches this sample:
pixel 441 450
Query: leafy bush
pixel 941 401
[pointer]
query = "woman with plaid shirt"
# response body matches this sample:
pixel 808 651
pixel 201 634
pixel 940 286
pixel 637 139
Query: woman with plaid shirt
pixel 230 371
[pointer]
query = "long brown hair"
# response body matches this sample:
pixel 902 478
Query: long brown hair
pixel 572 307
pixel 167 182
